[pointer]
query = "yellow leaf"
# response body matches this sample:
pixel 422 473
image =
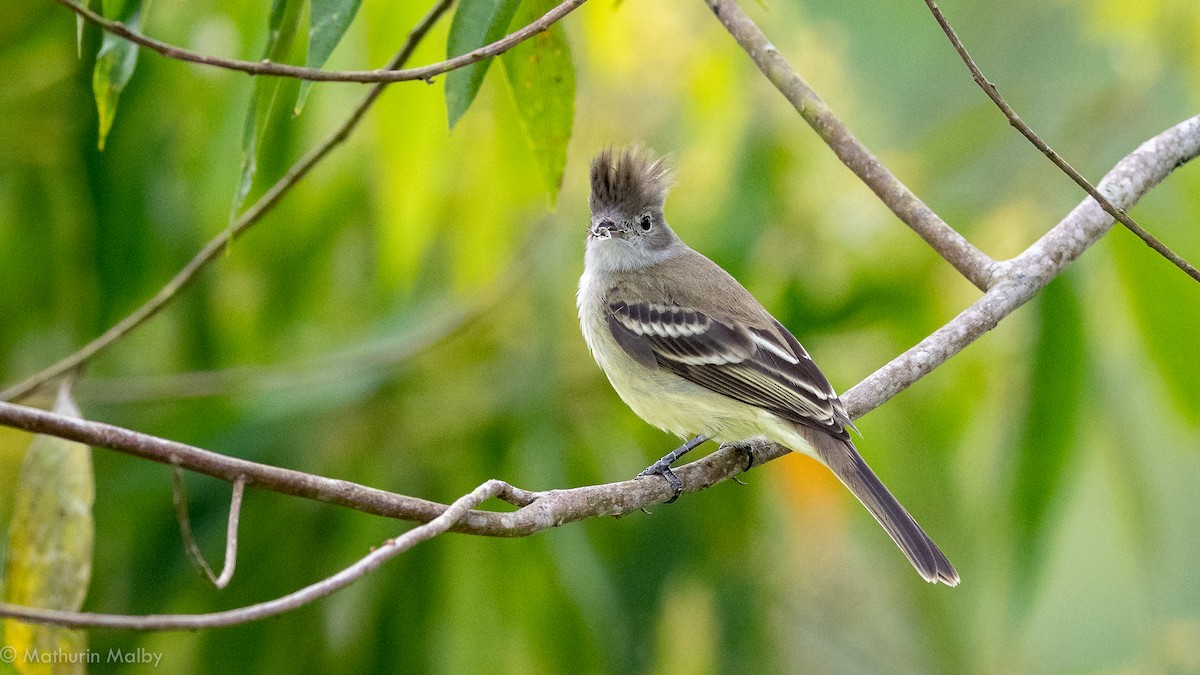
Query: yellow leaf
pixel 49 558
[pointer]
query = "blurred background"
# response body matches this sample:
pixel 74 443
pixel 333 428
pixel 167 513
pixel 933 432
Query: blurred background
pixel 394 326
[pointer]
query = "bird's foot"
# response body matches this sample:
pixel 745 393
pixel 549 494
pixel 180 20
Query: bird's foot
pixel 663 466
pixel 748 448
pixel 660 468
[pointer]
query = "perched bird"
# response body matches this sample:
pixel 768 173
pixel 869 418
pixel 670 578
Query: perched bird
pixel 693 353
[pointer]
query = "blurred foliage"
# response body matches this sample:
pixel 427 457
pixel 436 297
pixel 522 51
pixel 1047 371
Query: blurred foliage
pixel 1055 460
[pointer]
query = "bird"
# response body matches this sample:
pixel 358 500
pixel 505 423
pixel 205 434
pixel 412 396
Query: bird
pixel 693 353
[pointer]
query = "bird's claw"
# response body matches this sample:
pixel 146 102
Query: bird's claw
pixel 662 469
pixel 749 449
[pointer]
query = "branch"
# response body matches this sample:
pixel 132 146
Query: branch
pixel 219 243
pixel 1020 278
pixel 972 263
pixel 1015 120
pixel 365 565
pixel 386 74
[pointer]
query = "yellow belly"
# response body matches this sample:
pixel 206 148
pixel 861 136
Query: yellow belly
pixel 670 402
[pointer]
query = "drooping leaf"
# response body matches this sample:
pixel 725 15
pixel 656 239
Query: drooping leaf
pixel 49 559
pixel 542 79
pixel 1056 392
pixel 328 22
pixel 281 35
pixel 476 23
pixel 114 62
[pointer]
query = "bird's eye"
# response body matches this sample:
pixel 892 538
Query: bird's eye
pixel 646 222
pixel 606 224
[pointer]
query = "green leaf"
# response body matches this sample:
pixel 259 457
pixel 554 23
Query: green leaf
pixel 1056 392
pixel 114 62
pixel 476 23
pixel 281 35
pixel 328 22
pixel 49 559
pixel 542 79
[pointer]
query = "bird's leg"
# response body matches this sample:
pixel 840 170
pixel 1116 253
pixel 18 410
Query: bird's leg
pixel 663 466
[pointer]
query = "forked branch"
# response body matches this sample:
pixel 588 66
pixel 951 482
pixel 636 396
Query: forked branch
pixel 972 263
pixel 1015 120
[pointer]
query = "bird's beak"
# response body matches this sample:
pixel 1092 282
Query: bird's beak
pixel 612 230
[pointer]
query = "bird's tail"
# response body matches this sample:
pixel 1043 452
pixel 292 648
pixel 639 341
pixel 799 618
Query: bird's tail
pixel 843 460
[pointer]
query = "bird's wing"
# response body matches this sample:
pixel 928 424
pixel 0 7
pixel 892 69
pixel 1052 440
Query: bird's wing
pixel 762 366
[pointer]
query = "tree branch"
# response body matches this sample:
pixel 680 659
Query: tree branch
pixel 386 74
pixel 220 242
pixel 1020 278
pixel 365 565
pixel 1016 121
pixel 972 263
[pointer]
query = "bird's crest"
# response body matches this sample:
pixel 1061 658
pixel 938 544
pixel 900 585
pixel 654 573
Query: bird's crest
pixel 629 180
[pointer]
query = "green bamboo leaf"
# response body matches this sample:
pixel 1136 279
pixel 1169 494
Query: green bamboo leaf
pixel 476 23
pixel 328 22
pixel 1056 393
pixel 281 35
pixel 542 79
pixel 49 558
pixel 114 62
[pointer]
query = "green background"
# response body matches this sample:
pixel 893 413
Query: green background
pixel 1055 460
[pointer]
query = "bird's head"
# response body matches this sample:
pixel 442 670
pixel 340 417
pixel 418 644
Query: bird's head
pixel 629 187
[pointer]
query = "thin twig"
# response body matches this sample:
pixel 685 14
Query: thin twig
pixel 972 263
pixel 360 360
pixel 386 74
pixel 219 243
pixel 1016 121
pixel 231 531
pixel 179 499
pixel 365 565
